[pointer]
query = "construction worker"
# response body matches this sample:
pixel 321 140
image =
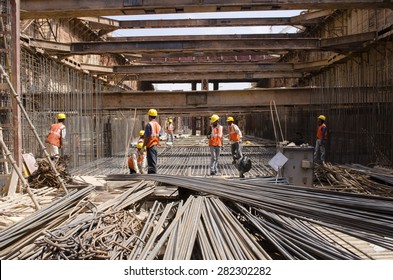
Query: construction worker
pixel 56 136
pixel 169 130
pixel 137 160
pixel 151 140
pixel 215 136
pixel 235 138
pixel 320 145
pixel 141 136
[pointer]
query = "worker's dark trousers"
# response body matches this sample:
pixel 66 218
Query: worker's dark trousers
pixel 152 160
pixel 236 150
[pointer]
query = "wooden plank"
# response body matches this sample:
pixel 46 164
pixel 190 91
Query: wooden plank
pixel 12 183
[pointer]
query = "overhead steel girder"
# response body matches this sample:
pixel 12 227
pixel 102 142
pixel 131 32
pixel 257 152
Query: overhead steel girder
pixel 306 19
pixel 97 23
pixel 203 100
pixel 211 76
pixel 198 71
pixel 193 68
pixel 208 44
pixel 80 8
pixel 193 46
pixel 238 100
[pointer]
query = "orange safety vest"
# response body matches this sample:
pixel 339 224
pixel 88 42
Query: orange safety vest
pixel 319 132
pixel 139 159
pixel 54 135
pixel 216 136
pixel 154 138
pixel 170 128
pixel 233 135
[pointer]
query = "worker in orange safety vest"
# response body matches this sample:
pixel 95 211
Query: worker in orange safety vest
pixel 137 160
pixel 320 145
pixel 169 130
pixel 235 138
pixel 152 139
pixel 215 136
pixel 55 139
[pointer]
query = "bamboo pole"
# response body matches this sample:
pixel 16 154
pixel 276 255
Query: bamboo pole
pixel 17 98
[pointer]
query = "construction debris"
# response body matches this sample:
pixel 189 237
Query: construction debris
pixel 44 176
pixel 354 178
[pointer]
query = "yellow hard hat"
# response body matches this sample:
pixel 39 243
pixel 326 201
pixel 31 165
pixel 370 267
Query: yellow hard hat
pixel 141 132
pixel 230 119
pixel 214 118
pixel 170 120
pixel 139 145
pixel 152 113
pixel 61 116
pixel 322 117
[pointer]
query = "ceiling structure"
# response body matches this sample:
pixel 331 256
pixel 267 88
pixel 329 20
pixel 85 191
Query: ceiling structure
pixel 82 8
pixel 194 58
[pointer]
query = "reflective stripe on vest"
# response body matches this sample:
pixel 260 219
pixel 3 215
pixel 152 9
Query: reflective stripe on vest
pixel 154 135
pixel 319 132
pixel 216 136
pixel 54 135
pixel 233 135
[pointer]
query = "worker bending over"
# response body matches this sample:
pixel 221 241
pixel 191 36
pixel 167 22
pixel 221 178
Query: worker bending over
pixel 235 138
pixel 56 136
pixel 151 140
pixel 215 136
pixel 137 160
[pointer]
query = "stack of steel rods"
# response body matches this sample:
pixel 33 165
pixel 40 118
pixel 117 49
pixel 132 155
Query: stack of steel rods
pixel 236 242
pixel 22 233
pixel 96 234
pixel 373 215
pixel 205 227
pixel 292 238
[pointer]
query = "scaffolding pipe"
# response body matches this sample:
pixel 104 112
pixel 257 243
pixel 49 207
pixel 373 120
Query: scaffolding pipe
pixel 17 98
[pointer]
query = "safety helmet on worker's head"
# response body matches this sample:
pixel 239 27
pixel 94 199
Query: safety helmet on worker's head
pixel 141 132
pixel 152 113
pixel 61 116
pixel 214 118
pixel 170 120
pixel 322 117
pixel 139 145
pixel 230 119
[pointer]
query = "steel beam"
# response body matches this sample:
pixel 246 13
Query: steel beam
pixel 211 76
pixel 110 24
pixel 225 100
pixel 202 101
pixel 193 46
pixel 81 8
pixel 202 44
